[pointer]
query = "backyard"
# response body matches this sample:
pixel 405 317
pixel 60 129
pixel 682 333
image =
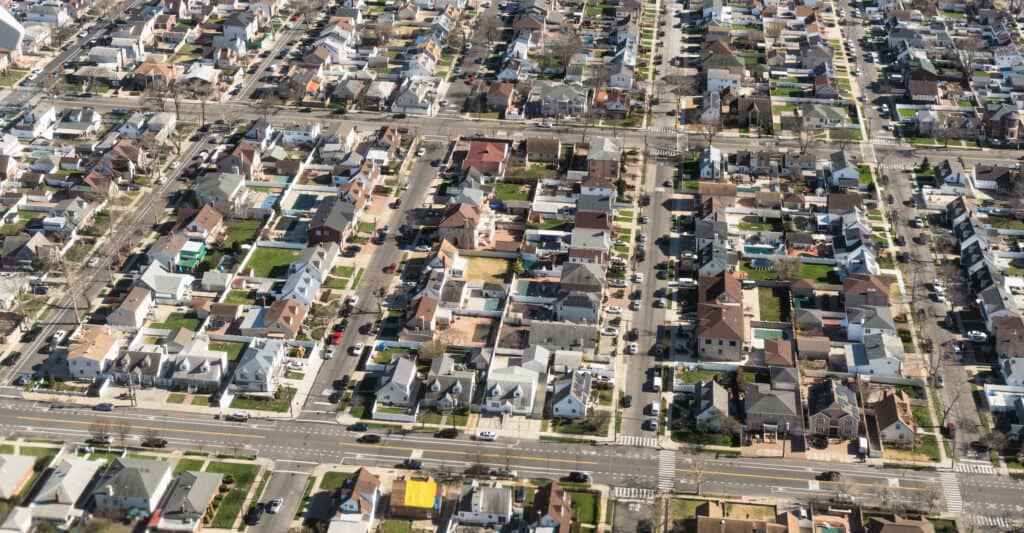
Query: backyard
pixel 271 262
pixel 773 303
pixel 179 320
pixel 488 269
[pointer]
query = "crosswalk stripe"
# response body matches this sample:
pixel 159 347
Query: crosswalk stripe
pixel 951 491
pixel 990 521
pixel 639 442
pixel 633 493
pixel 666 470
pixel 975 467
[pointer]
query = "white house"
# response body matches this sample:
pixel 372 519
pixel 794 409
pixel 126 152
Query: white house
pixel 711 164
pixel 38 122
pixel 91 351
pixel 510 390
pixel 720 79
pixel 400 385
pixel 487 506
pixel 168 287
pixel 572 396
pixel 131 483
pixel 359 496
pixel 131 314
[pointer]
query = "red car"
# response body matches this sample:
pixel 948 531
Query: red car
pixel 392 268
pixel 336 337
pixel 951 430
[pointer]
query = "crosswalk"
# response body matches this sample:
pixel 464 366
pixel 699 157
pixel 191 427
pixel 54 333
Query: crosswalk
pixel 991 521
pixel 666 470
pixel 951 492
pixel 975 467
pixel 639 442
pixel 633 493
pixel 661 129
pixel 897 165
pixel 884 141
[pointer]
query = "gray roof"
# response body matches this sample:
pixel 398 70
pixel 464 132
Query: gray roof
pixel 214 185
pixel 994 299
pixel 129 477
pixel 586 300
pixel 710 394
pixel 762 399
pixel 259 358
pixel 872 316
pixel 12 471
pixel 401 371
pixel 1012 368
pixel 563 335
pixel 783 374
pixel 830 393
pixel 495 500
pixel 321 256
pixel 576 384
pixel 583 274
pixel 188 498
pixel 444 379
pixel 158 279
pixel 67 481
pixel 604 149
pixel 711 229
pixel 593 203
pixel 333 213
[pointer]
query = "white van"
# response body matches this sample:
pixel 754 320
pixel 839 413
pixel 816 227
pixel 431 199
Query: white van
pixel 487 435
pixel 655 408
pixel 656 384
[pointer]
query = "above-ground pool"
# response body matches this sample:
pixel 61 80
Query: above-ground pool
pixel 758 250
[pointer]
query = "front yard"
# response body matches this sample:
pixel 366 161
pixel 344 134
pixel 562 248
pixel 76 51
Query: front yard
pixel 280 404
pixel 231 505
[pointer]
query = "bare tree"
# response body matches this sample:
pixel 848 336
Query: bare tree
pixel 968 50
pixel 843 137
pixel 955 395
pixel 786 268
pixel 100 429
pixel 154 96
pixel 268 102
pixel 564 47
pixel 123 430
pixel 489 27
pixel 709 125
pixel 806 135
pixel 52 85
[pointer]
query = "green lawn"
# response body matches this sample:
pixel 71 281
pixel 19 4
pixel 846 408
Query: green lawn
pixel 332 480
pixel 531 173
pixel 271 262
pixel 234 349
pixel 343 271
pixel 758 226
pixel 755 274
pixel 231 505
pixel 201 400
pixel 240 297
pixel 819 273
pixel 510 191
pixel 176 397
pixel 355 281
pixel 922 416
pixel 704 439
pixel 586 506
pixel 12 77
pixel 280 404
pixel 864 176
pixel 692 377
pixel 772 303
pixel 188 465
pixel 241 231
pixel 176 320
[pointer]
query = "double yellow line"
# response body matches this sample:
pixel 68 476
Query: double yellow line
pixel 155 428
pixel 789 478
pixel 467 454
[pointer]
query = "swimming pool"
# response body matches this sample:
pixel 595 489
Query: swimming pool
pixel 758 250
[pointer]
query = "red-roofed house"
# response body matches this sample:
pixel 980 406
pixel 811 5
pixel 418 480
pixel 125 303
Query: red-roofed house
pixel 486 157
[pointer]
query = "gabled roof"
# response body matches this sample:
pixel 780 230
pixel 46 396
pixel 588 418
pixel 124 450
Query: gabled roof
pixel 829 393
pixel 129 477
pixel 761 399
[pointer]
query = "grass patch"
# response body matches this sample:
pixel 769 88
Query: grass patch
pixel 701 438
pixel 772 303
pixel 241 232
pixel 755 274
pixel 176 397
pixel 281 403
pixel 234 349
pixel 355 281
pixel 179 320
pixel 922 416
pixel 231 505
pixel 511 191
pixel 12 77
pixel 692 377
pixel 332 480
pixel 343 271
pixel 240 297
pixel 530 173
pixel 864 174
pixel 819 273
pixel 585 504
pixel 188 465
pixel 271 262
pixel 488 269
pixel 750 512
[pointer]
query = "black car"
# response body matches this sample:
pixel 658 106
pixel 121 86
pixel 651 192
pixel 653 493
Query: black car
pixel 370 439
pixel 411 464
pixel 11 359
pixel 447 433
pixel 154 443
pixel 627 400
pixel 358 426
pixel 829 475
pixel 334 397
pixel 341 384
pixel 255 513
pixel 634 334
pixel 31 334
pixel 578 477
pixel 365 328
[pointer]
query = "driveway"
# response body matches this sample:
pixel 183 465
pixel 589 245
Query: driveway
pixel 287 486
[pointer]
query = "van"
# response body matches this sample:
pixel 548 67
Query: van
pixel 748 284
pixel 655 408
pixel 487 435
pixel 656 384
pixel 687 282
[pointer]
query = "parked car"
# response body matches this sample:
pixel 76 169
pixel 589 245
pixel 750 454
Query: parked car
pixel 977 336
pixel 356 348
pixel 951 430
pixel 335 337
pixel 447 433
pixel 255 513
pixel 411 464
pixel 358 427
pixel 58 336
pixel 103 407
pixel 105 440
pixel 238 416
pixel 154 443
pixel 609 331
pixel 578 477
pixel 627 400
pixel 829 475
pixel 487 435
pixel 273 506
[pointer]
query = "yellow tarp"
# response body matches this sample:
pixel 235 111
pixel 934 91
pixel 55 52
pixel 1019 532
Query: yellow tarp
pixel 420 494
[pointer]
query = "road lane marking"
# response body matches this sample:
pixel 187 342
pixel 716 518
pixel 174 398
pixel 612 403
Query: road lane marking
pixel 156 428
pixel 784 478
pixel 467 454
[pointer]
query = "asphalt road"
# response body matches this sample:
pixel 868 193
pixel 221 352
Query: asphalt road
pixel 421 177
pixel 287 485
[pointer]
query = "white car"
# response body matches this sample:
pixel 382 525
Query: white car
pixel 92 262
pixel 634 305
pixel 298 366
pixel 610 331
pixel 420 152
pixel 273 506
pixel 617 283
pixel 487 435
pixel 638 278
pixel 353 300
pixel 58 336
pixel 356 348
pixel 633 348
pixel 977 336
pixel 544 125
pixel 613 309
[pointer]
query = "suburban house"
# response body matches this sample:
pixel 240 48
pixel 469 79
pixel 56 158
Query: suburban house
pixel 225 191
pixel 168 287
pixel 572 396
pixel 131 314
pixel 879 354
pixel 487 505
pixel 359 495
pixel 895 420
pixel 510 390
pixel 187 503
pixel 91 350
pixel 711 403
pixel 15 473
pixel 486 157
pixel 333 221
pixel 130 483
pixel 867 320
pixel 552 509
pixel 55 500
pixel 466 226
pixel 832 409
pixel 258 368
pixel 770 410
pixel 282 319
pixel 448 386
pixel 399 385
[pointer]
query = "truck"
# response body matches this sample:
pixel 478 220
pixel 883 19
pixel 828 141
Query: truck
pixel 656 384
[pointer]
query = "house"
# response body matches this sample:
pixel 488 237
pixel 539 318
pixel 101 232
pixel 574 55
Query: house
pixel 131 483
pixel 141 365
pixel 499 96
pixel 487 506
pixel 604 155
pixel 91 350
pixel 866 289
pixel 467 226
pixel 358 497
pixel 510 390
pixel 1009 336
pixel 333 221
pixel 199 225
pixel 78 122
pixel 543 149
pixel 241 25
pixel 1012 370
pixel 486 157
pixel 302 286
pixel 167 287
pixel 996 301
pixel 35 123
pixel 562 336
pixel 571 396
pixel 416 96
pixel 578 307
pixel 25 252
pixel 778 352
pixel 582 277
pixel 55 500
pixel 187 504
pixel 711 402
pixel 196 367
pixel 711 164
pixel 258 368
pixel 895 420
pixel 898 524
pixel 822 116
pixel 244 159
pixel 879 354
pixel 399 386
pixel 225 191
pixel 448 386
pixel 552 99
pixel 1003 122
pixel 771 410
pixel 868 320
pixel 131 314
pixel 843 172
pixel 319 257
pixel 416 499
pixel 15 473
pixel 832 410
pixel 721 332
pixel 552 509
